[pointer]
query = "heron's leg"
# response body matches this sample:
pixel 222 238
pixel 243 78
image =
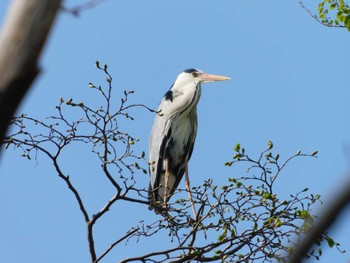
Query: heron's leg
pixel 165 197
pixel 187 184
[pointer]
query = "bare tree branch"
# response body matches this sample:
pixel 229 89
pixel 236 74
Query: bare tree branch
pixel 26 27
pixel 327 218
pixel 130 233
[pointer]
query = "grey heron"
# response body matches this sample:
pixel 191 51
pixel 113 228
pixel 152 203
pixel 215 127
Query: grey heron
pixel 173 135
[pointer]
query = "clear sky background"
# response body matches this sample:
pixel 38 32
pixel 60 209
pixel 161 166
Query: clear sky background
pixel 289 84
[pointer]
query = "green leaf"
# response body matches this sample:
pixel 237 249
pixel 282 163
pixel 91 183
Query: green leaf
pixel 237 147
pixel 330 242
pixel 314 153
pixel 228 164
pixel 267 195
pixel 240 256
pixel 270 145
pixel 332 6
pixel 305 215
pixel 340 16
pixel 237 156
pixel 347 21
pixel 278 222
pixel 232 180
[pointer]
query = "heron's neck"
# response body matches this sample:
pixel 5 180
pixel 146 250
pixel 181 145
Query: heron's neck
pixel 195 95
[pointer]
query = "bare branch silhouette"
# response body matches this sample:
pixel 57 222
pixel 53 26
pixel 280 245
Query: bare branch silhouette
pixel 76 10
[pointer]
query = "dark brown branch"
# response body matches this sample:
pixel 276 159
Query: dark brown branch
pixel 25 30
pixel 164 252
pixel 73 190
pixel 327 218
pixel 133 200
pixel 82 209
pixel 116 243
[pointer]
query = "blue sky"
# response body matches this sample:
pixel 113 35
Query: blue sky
pixel 289 84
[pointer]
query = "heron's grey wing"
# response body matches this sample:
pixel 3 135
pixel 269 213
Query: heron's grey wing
pixel 158 137
pixel 189 149
pixel 167 109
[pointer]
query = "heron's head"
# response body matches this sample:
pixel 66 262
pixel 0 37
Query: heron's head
pixel 196 75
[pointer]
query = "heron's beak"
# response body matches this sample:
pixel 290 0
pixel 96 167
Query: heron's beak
pixel 210 78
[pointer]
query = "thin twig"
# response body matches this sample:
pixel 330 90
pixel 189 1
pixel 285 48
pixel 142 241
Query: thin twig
pixel 116 243
pixel 76 10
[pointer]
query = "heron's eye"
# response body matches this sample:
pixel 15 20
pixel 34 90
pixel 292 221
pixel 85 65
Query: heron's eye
pixel 195 74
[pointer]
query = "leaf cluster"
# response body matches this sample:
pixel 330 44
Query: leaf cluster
pixel 331 13
pixel 340 13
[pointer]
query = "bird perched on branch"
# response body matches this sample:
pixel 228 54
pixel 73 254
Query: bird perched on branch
pixel 173 135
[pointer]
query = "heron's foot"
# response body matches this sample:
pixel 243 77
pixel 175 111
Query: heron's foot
pixel 165 206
